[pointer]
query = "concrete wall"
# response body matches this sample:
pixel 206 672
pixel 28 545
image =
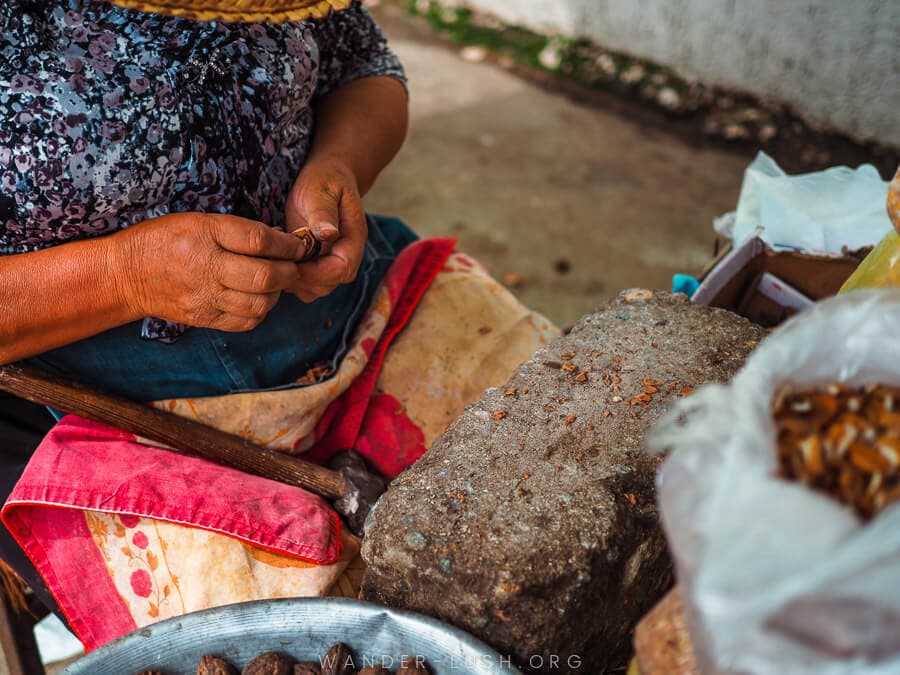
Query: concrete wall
pixel 834 61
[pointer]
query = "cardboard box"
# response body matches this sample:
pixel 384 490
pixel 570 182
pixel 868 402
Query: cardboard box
pixel 735 282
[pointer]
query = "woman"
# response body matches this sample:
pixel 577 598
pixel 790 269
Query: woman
pixel 149 166
pixel 152 166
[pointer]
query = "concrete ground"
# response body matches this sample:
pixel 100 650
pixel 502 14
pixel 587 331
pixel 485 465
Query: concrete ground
pixel 579 202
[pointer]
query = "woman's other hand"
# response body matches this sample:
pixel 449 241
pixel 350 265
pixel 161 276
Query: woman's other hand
pixel 360 126
pixel 326 198
pixel 205 270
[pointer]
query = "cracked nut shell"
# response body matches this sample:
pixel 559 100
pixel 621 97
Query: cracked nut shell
pixel 413 666
pixel 312 244
pixel 214 665
pixel 307 668
pixel 338 661
pixel 270 663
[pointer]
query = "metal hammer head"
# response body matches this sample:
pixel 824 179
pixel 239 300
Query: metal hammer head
pixel 363 487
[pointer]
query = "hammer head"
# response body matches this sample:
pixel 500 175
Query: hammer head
pixel 363 487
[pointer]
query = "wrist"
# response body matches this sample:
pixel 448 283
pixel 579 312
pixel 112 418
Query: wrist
pixel 331 165
pixel 119 262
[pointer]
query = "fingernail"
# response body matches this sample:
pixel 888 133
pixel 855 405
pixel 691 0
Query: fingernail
pixel 326 232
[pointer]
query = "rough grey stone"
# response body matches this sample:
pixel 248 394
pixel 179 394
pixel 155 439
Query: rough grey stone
pixel 531 521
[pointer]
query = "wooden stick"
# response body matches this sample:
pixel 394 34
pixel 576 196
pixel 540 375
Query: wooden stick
pixel 163 427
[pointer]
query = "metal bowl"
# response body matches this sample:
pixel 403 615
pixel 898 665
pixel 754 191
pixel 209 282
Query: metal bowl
pixel 304 628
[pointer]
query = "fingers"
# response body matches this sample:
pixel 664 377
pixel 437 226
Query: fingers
pixel 316 206
pixel 354 233
pixel 237 312
pixel 322 198
pixel 255 275
pixel 312 293
pixel 340 264
pixel 246 305
pixel 231 323
pixel 252 238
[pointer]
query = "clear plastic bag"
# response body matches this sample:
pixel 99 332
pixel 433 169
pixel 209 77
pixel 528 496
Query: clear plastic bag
pixel 777 578
pixel 819 212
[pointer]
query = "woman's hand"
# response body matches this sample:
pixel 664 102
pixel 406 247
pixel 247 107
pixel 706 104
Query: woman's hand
pixel 206 270
pixel 325 198
pixel 360 126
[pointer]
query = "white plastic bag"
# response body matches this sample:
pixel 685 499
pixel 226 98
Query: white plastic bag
pixel 816 212
pixel 778 578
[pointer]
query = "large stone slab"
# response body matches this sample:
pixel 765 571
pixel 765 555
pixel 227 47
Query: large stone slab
pixel 531 521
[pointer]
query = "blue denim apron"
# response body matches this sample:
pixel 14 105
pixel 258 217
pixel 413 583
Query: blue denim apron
pixel 293 338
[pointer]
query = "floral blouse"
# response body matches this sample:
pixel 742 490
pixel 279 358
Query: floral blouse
pixel 111 116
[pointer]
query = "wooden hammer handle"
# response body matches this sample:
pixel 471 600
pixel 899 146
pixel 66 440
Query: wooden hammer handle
pixel 163 427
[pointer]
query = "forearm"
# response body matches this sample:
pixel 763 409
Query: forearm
pixel 56 296
pixel 362 124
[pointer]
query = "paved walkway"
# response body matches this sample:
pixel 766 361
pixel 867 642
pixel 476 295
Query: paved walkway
pixel 579 202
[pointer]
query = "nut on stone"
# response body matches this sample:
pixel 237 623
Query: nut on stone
pixel 270 663
pixel 638 295
pixel 214 665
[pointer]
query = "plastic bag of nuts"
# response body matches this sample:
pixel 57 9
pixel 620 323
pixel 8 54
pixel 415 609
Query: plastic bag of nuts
pixel 780 503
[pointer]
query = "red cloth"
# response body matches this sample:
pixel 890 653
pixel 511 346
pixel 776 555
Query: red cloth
pixel 82 465
pixel 374 425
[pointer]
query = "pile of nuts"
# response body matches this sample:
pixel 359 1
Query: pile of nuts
pixel 338 661
pixel 842 441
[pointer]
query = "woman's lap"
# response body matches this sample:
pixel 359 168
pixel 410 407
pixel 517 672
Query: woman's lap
pixel 292 339
pixel 201 363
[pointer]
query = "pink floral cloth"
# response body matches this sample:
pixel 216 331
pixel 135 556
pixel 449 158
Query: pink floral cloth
pixel 83 467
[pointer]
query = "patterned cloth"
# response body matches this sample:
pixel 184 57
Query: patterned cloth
pixel 111 116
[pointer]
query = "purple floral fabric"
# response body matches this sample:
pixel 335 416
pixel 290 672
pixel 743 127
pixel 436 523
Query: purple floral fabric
pixel 111 116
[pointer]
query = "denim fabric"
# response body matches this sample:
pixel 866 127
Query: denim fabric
pixel 293 338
